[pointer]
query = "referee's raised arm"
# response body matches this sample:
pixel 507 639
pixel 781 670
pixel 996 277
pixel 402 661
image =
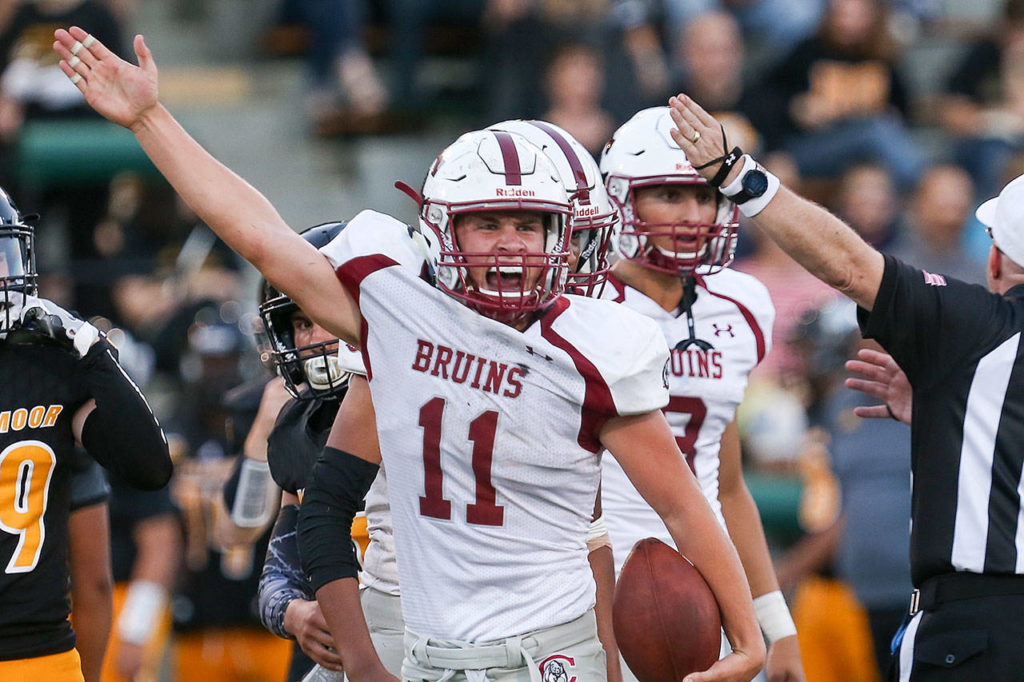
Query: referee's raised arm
pixel 822 243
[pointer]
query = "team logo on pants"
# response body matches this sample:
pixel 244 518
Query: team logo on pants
pixel 557 668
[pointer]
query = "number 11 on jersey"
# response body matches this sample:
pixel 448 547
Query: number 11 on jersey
pixel 484 511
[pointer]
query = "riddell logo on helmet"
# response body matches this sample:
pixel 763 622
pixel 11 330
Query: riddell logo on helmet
pixel 514 192
pixel 683 167
pixel 586 211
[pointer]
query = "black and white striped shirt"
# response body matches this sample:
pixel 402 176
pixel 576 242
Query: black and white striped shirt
pixel 959 345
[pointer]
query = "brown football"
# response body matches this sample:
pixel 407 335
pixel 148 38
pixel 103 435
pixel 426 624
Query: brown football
pixel 666 619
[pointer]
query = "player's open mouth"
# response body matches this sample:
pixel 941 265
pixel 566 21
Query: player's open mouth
pixel 505 277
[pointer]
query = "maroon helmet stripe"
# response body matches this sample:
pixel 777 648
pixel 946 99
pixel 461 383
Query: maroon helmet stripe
pixel 510 157
pixel 570 155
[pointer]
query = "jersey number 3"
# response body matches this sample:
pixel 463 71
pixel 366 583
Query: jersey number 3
pixel 484 511
pixel 697 411
pixel 25 469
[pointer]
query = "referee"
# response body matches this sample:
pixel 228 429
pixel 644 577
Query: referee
pixel 959 346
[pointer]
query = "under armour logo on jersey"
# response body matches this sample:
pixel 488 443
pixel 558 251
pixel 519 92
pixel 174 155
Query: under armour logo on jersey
pixel 531 351
pixel 934 280
pixel 558 668
pixel 727 329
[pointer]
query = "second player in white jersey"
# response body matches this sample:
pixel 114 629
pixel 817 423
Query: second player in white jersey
pixel 733 313
pixel 677 240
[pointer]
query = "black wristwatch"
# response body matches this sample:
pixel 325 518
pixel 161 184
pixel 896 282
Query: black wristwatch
pixel 753 185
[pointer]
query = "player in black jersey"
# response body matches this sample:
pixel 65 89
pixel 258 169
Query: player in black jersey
pixel 61 385
pixel 306 358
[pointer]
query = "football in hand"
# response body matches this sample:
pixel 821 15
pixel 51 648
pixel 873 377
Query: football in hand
pixel 666 619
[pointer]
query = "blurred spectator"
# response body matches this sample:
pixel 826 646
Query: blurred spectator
pixel 867 547
pixel 710 57
pixel 126 10
pixel 867 201
pixel 984 105
pixel 218 635
pixel 33 88
pixel 409 19
pixel 146 551
pixel 793 289
pixel 772 26
pixel 522 35
pixel 164 265
pixel 845 99
pixel 939 210
pixel 574 84
pixel 976 241
pixel 338 63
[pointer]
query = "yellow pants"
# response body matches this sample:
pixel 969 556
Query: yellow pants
pixel 152 651
pixel 834 633
pixel 231 655
pixel 63 667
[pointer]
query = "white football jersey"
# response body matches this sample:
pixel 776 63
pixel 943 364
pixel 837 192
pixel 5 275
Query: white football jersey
pixel 734 313
pixel 379 569
pixel 489 437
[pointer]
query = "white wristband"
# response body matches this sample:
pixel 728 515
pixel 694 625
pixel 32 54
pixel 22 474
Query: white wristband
pixel 752 207
pixel 142 610
pixel 253 505
pixel 773 616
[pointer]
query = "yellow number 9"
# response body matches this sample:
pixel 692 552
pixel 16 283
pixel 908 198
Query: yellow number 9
pixel 25 469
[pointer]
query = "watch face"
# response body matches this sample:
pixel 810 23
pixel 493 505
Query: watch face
pixel 755 183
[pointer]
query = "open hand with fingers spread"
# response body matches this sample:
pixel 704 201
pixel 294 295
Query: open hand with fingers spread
pixel 884 380
pixel 120 91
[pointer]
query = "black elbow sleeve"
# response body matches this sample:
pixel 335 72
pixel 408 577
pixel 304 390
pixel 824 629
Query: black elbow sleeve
pixel 337 487
pixel 121 433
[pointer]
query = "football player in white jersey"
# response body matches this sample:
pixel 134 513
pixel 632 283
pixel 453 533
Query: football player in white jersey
pixel 493 394
pixel 593 219
pixel 676 242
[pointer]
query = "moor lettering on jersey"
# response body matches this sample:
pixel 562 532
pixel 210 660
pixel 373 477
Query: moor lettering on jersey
pixel 699 364
pixel 37 417
pixel 461 367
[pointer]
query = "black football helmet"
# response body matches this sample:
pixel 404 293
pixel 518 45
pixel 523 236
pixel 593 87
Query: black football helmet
pixel 17 259
pixel 312 370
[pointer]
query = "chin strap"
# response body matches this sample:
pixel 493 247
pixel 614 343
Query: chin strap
pixel 689 296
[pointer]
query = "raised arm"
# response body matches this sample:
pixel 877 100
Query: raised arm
pixel 234 209
pixel 646 449
pixel 822 243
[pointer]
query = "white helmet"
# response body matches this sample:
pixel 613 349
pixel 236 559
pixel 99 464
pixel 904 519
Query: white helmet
pixel 496 171
pixel 642 153
pixel 594 217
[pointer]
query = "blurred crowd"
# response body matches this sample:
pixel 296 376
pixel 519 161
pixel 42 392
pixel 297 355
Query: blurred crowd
pixel 818 89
